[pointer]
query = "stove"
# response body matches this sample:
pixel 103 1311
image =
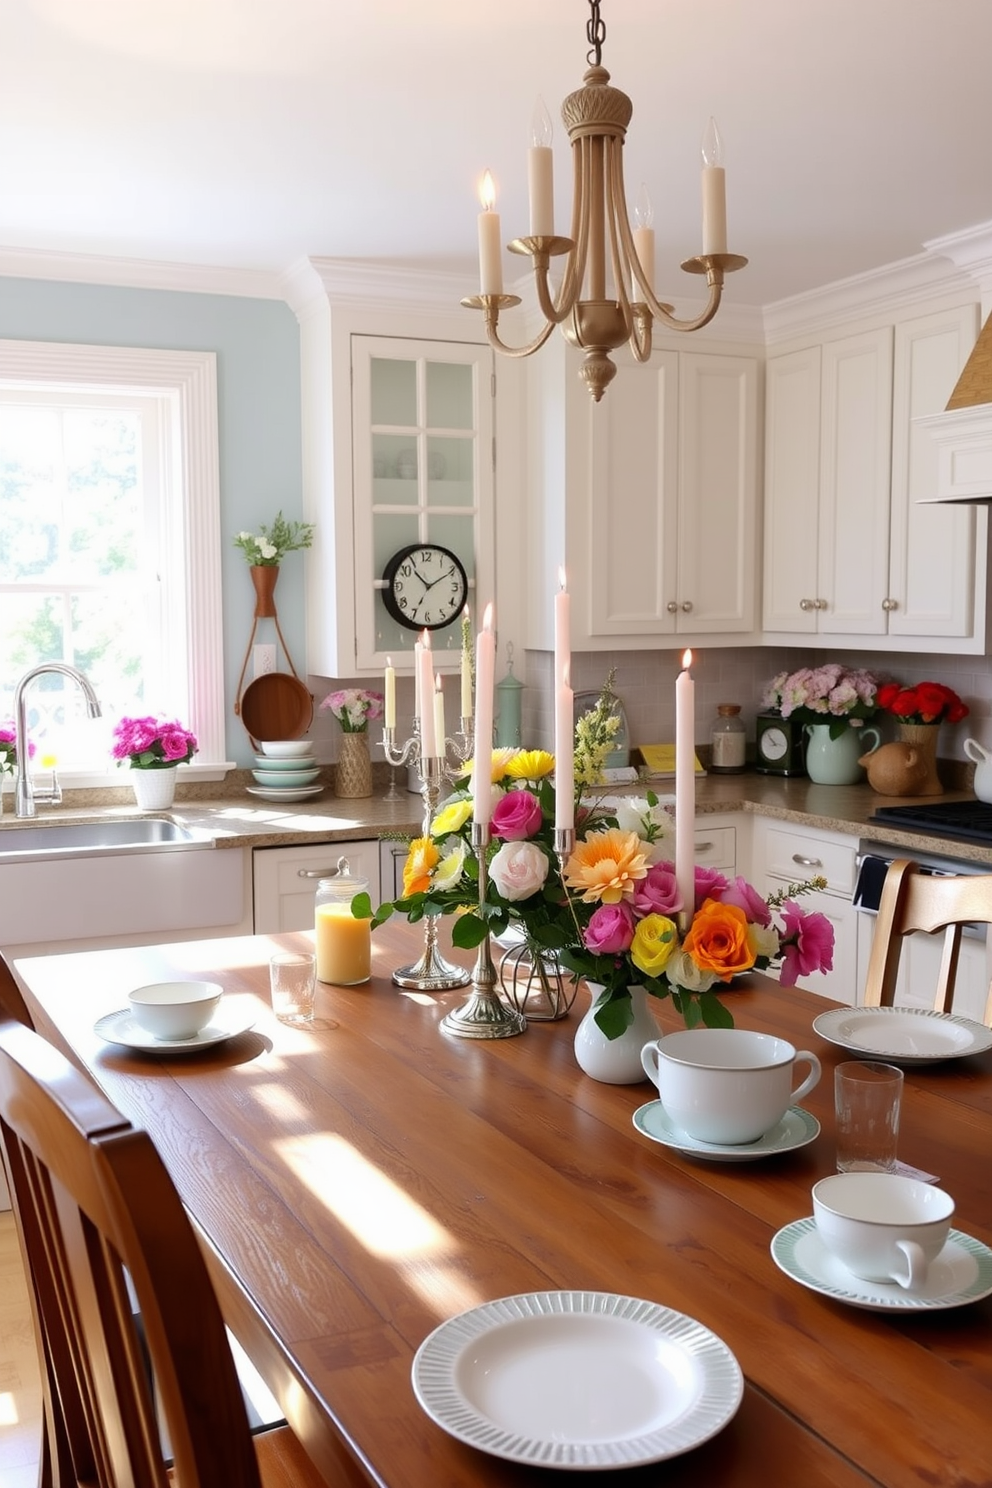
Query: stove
pixel 968 821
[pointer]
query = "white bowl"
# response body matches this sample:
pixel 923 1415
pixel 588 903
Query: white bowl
pixel 292 762
pixel 285 748
pixel 287 778
pixel 175 1010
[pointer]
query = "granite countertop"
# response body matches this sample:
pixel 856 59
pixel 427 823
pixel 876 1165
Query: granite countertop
pixel 237 820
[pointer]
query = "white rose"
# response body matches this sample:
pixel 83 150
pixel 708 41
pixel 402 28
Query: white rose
pixel 682 971
pixel 518 870
pixel 634 814
pixel 763 940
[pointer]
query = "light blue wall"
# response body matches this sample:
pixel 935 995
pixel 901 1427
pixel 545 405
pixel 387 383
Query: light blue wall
pixel 258 388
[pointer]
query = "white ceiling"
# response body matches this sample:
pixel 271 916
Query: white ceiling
pixel 253 133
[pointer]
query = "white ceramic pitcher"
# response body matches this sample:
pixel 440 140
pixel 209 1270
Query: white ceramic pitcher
pixel 983 768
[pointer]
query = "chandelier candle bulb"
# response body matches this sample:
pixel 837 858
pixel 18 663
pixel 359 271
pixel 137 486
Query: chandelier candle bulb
pixel 644 238
pixel 485 672
pixel 540 174
pixel 685 785
pixel 389 688
pixel 490 251
pixel 714 192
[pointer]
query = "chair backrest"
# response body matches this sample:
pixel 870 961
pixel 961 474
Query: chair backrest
pixel 95 1207
pixel 913 901
pixel 12 1004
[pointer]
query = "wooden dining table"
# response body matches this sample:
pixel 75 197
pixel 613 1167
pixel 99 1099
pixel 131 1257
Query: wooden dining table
pixel 359 1181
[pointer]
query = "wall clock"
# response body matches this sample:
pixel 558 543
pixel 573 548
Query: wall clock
pixel 425 586
pixel 780 746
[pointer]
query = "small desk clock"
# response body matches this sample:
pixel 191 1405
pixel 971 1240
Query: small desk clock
pixel 781 746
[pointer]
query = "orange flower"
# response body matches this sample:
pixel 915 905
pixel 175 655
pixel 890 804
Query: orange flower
pixel 718 940
pixel 606 866
pixel 422 857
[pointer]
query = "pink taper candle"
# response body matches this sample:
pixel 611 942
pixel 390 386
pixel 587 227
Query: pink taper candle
pixel 425 692
pixel 440 725
pixel 389 700
pixel 482 767
pixel 685 786
pixel 564 755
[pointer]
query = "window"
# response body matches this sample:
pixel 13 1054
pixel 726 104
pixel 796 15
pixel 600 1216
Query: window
pixel 109 544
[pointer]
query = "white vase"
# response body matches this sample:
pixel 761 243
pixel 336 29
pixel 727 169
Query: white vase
pixel 154 789
pixel 615 1061
pixel 837 761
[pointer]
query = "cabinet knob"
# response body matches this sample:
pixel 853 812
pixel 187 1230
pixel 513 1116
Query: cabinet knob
pixel 687 605
pixel 807 604
pixel 890 604
pixel 819 604
pixel 806 862
pixel 672 607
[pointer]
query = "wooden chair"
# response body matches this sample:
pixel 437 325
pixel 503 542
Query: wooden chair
pixel 912 901
pixel 95 1206
pixel 12 1004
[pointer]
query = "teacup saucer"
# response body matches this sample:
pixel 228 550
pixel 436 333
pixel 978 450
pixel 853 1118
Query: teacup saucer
pixel 961 1273
pixel 796 1129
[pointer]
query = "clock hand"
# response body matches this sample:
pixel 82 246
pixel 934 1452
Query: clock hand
pixel 446 575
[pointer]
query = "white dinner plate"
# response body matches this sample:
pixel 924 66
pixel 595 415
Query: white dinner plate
pixel 232 1017
pixel 796 1129
pixel 961 1273
pixel 903 1035
pixel 303 793
pixel 577 1380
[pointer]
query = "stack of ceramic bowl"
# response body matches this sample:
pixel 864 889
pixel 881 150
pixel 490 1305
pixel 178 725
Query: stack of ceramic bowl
pixel 286 770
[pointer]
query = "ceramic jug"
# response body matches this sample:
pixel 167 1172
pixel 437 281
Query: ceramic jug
pixel 836 761
pixel 983 768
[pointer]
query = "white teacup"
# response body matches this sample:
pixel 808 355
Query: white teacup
pixel 726 1085
pixel 883 1226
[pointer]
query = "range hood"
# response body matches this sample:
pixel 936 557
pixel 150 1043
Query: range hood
pixel 963 432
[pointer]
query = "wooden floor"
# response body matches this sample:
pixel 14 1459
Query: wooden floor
pixel 20 1389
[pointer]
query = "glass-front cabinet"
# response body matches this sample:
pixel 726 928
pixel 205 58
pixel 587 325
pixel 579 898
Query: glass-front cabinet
pixel 422 446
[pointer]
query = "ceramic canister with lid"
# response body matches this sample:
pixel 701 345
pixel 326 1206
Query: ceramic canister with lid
pixel 343 942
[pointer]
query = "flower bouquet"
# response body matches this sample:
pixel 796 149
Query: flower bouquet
pixel 830 694
pixel 152 743
pixel 611 912
pixel 927 702
pixel 267 547
pixel 353 707
pixel 8 749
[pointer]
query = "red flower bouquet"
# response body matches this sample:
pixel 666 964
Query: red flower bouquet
pixel 927 702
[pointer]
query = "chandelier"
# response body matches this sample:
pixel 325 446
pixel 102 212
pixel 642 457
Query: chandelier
pixel 596 117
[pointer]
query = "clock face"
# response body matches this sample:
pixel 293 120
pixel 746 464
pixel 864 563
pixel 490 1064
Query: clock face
pixel 426 587
pixel 774 744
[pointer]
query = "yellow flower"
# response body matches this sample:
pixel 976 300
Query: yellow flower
pixel 655 938
pixel 606 865
pixel 718 940
pixel 422 857
pixel 451 818
pixel 449 870
pixel 530 764
pixel 500 760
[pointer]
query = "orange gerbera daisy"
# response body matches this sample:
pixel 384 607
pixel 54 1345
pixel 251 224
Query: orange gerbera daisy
pixel 606 866
pixel 422 857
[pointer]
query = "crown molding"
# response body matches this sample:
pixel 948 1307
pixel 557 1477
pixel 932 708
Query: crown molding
pixel 885 291
pixel 367 285
pixel 971 252
pixel 138 273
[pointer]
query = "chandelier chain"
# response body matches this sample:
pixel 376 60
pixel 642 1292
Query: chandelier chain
pixel 595 34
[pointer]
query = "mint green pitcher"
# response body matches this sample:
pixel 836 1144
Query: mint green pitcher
pixel 835 761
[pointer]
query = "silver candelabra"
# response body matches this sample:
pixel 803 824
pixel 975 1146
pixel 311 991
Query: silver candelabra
pixel 485 1015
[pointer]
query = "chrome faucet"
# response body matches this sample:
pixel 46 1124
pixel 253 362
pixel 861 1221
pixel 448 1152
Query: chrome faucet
pixel 25 796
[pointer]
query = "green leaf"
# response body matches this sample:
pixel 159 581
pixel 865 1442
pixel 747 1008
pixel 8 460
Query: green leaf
pixel 361 907
pixel 615 1015
pixel 382 914
pixel 468 931
pixel 715 1013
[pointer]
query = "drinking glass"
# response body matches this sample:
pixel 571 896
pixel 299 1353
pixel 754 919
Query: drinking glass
pixel 867 1098
pixel 292 982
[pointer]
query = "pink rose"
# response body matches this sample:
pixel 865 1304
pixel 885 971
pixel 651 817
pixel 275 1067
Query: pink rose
pixel 174 744
pixel 516 816
pixel 658 893
pixel 747 898
pixel 710 884
pixel 810 947
pixel 610 930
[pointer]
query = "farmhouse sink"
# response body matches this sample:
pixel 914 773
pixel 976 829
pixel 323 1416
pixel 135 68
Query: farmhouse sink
pixel 85 839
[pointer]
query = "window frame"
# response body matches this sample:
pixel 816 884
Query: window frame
pixel 186 384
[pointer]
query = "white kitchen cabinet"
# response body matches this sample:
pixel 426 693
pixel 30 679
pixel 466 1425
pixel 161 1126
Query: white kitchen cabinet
pixel 849 550
pixel 286 879
pixel 671 500
pixel 786 853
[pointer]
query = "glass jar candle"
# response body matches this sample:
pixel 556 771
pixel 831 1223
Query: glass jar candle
pixel 343 943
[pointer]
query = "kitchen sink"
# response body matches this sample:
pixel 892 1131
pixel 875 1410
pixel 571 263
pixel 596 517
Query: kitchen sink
pixel 86 839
